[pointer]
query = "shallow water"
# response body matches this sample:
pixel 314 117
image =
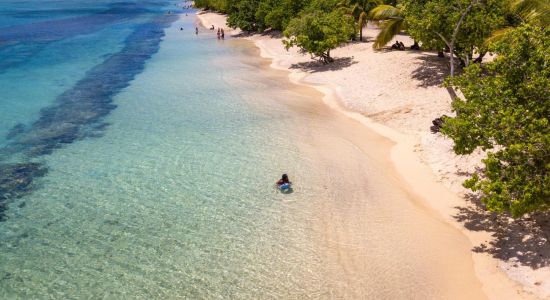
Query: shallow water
pixel 174 197
pixel 161 186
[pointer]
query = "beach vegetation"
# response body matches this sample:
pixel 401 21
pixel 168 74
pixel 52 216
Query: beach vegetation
pixel 505 110
pixel 216 5
pixel 391 22
pixel 360 9
pixel 461 27
pixel 242 14
pixel 319 32
pixel 276 14
pixel 534 12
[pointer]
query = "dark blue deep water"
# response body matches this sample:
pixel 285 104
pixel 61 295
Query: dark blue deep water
pixel 61 63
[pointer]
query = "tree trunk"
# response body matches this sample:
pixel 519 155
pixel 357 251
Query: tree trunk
pixel 361 23
pixel 325 58
pixel 451 43
pixel 452 58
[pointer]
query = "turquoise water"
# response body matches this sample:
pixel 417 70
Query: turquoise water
pixel 171 194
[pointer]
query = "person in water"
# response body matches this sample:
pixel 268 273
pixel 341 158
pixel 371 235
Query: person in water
pixel 283 180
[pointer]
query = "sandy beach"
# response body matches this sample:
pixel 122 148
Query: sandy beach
pixel 396 95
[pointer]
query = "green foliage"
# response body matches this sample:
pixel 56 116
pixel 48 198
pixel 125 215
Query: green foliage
pixel 360 11
pixel 319 32
pixel 391 22
pixel 217 5
pixel 242 14
pixel 326 6
pixel 276 14
pixel 434 23
pixel 535 12
pixel 506 108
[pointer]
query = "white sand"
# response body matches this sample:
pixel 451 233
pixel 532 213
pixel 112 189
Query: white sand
pixel 397 94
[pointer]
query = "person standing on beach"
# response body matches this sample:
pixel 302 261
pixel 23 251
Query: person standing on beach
pixel 219 33
pixel 223 34
pixel 197 30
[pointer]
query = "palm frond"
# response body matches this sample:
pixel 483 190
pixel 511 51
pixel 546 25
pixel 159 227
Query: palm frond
pixel 389 29
pixel 362 20
pixel 384 12
pixel 497 35
pixel 532 11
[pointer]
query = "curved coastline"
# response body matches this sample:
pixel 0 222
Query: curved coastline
pixel 415 172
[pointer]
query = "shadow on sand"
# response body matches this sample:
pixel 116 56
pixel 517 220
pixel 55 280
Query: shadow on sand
pixel 432 71
pixel 317 66
pixel 524 241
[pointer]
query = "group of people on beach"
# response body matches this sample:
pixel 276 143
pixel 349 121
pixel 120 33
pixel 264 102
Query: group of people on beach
pixel 400 46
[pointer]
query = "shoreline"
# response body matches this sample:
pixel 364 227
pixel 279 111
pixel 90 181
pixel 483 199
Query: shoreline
pixel 415 165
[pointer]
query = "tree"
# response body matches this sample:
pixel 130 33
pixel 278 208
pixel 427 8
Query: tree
pixel 391 22
pixel 534 12
pixel 276 14
pixel 217 5
pixel 506 107
pixel 359 9
pixel 242 14
pixel 319 32
pixel 460 25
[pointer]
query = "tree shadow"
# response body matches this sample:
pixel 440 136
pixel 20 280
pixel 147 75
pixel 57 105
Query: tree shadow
pixel 243 34
pixel 315 66
pixel 525 241
pixel 432 70
pixel 275 34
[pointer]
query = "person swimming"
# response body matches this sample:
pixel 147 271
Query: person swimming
pixel 284 179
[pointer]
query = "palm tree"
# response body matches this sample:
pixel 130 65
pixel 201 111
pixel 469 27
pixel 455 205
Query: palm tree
pixel 536 12
pixel 359 10
pixel 391 22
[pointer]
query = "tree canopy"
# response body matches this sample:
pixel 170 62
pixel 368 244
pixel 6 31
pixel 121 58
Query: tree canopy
pixel 505 109
pixel 319 32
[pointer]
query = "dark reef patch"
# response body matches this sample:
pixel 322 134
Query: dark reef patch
pixel 53 30
pixel 79 111
pixel 15 131
pixel 20 42
pixel 16 181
